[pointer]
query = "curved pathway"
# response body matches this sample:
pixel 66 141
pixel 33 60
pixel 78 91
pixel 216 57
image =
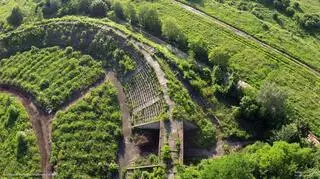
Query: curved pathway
pixel 41 124
pixel 246 35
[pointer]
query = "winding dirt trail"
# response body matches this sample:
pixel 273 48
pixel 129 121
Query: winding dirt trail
pixel 41 124
pixel 246 35
pixel 128 151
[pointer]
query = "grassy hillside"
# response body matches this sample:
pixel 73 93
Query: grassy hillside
pixel 18 148
pixel 254 64
pixel 85 137
pixel 283 31
pixel 28 8
pixel 52 75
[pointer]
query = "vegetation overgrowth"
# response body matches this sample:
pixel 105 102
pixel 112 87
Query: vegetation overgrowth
pixel 19 152
pixel 249 61
pixel 52 76
pixel 289 25
pixel 90 42
pixel 85 137
pixel 260 160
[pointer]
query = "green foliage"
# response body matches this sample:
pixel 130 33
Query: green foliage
pixel 174 34
pixel 126 63
pixel 51 76
pixel 16 17
pixel 98 8
pixel 166 152
pixel 19 152
pixel 289 133
pixel 259 160
pixel 87 134
pixel 310 22
pixel 200 49
pixel 131 14
pixel 22 145
pixel 266 112
pixel 149 20
pixel 118 10
pixel 273 103
pixel 156 173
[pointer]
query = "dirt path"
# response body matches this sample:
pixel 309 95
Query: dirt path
pixel 246 35
pixel 41 124
pixel 128 151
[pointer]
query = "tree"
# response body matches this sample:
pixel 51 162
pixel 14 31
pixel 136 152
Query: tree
pixel 273 104
pixel 200 49
pixel 131 14
pixel 149 20
pixel 51 7
pixel 22 145
pixel 13 114
pixel 172 32
pixel 281 160
pixel 16 17
pixel 232 166
pixel 219 57
pixel 118 10
pixel 289 133
pixel 310 22
pixel 84 6
pixel 99 8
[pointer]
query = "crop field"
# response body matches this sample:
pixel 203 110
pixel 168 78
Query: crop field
pixel 160 89
pixel 18 148
pixel 283 33
pixel 87 135
pixel 51 75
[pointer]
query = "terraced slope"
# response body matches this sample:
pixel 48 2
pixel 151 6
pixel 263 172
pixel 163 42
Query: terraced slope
pixel 52 76
pixel 85 136
pixel 19 152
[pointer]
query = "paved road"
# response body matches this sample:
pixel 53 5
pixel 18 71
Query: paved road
pixel 247 36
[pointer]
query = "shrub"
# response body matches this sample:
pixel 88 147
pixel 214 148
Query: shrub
pixel 200 49
pixel 310 22
pixel 50 8
pixel 84 6
pixel 174 34
pixel 118 10
pixel 149 20
pixel 131 14
pixel 13 114
pixel 22 145
pixel 98 8
pixel 16 17
pixel 290 11
pixel 281 4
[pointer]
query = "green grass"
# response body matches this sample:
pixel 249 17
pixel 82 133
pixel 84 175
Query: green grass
pixel 28 8
pixel 52 75
pixel 287 36
pixel 254 64
pixel 85 137
pixel 11 126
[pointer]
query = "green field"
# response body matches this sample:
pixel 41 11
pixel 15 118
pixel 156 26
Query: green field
pixel 52 75
pixel 19 153
pixel 141 89
pixel 85 137
pixel 254 64
pixel 286 35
